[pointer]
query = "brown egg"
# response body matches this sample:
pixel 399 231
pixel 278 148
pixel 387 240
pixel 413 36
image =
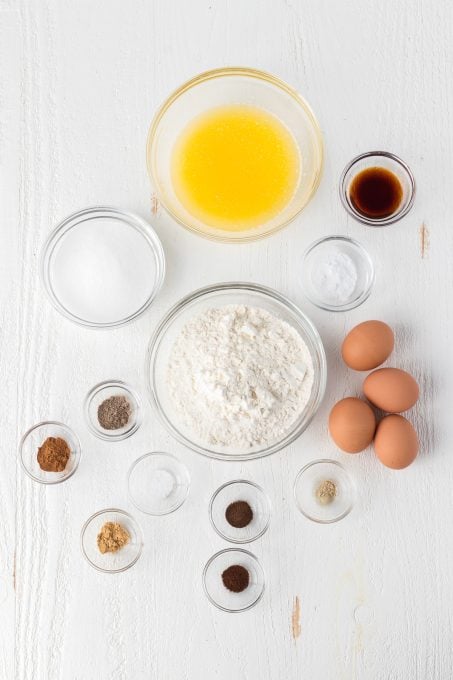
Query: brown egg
pixel 352 424
pixel 396 442
pixel 367 345
pixel 391 389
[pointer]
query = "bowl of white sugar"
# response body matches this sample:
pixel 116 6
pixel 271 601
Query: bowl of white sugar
pixel 236 371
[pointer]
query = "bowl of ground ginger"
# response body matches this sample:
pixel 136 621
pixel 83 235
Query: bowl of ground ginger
pixel 112 540
pixel 50 452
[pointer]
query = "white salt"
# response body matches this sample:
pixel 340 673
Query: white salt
pixel 334 277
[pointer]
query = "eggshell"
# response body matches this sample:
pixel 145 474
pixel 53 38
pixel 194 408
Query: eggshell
pixel 396 442
pixel 352 424
pixel 367 345
pixel 391 389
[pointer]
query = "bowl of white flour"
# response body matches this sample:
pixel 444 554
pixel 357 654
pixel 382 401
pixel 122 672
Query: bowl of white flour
pixel 236 371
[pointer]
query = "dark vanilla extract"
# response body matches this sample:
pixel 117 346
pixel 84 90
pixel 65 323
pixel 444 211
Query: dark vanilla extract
pixel 376 193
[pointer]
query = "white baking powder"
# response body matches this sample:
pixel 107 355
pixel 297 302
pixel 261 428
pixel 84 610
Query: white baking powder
pixel 334 277
pixel 239 377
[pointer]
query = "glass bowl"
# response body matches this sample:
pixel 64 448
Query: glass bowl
pixel 240 490
pixel 308 482
pixel 158 483
pixel 227 86
pixel 33 439
pixel 105 390
pixel 381 159
pixel 317 271
pixel 218 594
pixel 113 253
pixel 219 295
pixel 109 562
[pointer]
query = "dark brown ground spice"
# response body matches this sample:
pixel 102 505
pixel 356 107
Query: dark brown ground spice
pixel 114 412
pixel 236 578
pixel 53 454
pixel 239 514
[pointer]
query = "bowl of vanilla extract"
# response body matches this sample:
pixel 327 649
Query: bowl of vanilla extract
pixel 377 188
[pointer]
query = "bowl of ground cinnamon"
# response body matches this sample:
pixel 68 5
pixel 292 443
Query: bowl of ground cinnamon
pixel 233 580
pixel 111 540
pixel 50 452
pixel 240 511
pixel 112 410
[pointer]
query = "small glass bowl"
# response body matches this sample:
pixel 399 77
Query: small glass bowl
pixel 33 439
pixel 223 598
pixel 307 483
pixel 219 295
pixel 240 490
pixel 105 390
pixel 318 253
pixel 158 483
pixel 224 87
pixel 102 241
pixel 381 159
pixel 124 558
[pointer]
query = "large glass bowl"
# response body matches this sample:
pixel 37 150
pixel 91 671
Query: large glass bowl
pixel 220 295
pixel 222 87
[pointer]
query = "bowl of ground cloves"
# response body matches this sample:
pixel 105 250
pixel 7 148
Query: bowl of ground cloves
pixel 233 580
pixel 50 452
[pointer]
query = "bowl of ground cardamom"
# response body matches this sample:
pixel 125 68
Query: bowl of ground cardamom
pixel 324 491
pixel 112 540
pixel 50 452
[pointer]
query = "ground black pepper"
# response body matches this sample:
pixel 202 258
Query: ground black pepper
pixel 239 514
pixel 114 412
pixel 236 578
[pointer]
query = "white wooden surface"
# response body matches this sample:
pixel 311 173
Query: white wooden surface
pixel 79 84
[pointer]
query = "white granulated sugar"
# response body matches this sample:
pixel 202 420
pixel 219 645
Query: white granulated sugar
pixel 239 377
pixel 335 277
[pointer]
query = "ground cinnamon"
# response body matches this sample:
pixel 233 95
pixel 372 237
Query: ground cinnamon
pixel 53 454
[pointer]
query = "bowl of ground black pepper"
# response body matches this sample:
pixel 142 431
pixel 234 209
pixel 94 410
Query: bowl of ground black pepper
pixel 50 452
pixel 112 410
pixel 233 580
pixel 240 511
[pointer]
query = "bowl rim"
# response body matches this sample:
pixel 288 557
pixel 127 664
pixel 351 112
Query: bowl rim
pixel 169 317
pixel 228 71
pixel 24 438
pixel 383 221
pixel 350 478
pixel 230 539
pixel 254 559
pixel 137 528
pixel 348 306
pixel 94 212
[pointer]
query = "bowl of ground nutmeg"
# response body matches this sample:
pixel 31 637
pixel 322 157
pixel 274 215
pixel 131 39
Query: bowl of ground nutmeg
pixel 50 452
pixel 112 410
pixel 111 540
pixel 240 511
pixel 233 580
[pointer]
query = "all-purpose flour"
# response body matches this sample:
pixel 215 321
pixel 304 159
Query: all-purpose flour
pixel 239 376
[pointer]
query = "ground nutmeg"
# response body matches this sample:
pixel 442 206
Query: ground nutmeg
pixel 53 454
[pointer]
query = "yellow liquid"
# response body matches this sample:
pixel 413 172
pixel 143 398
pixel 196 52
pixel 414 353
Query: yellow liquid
pixel 235 167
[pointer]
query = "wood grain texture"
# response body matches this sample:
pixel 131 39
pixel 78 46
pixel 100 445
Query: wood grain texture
pixel 79 85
